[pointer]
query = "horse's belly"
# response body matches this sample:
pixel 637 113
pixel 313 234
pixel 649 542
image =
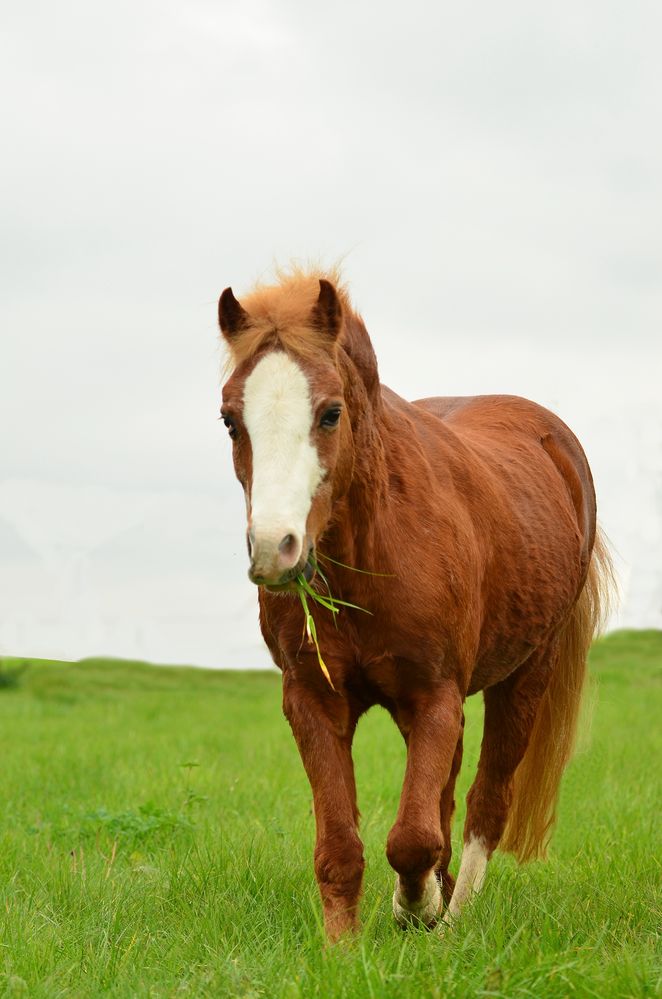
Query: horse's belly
pixel 525 612
pixel 497 665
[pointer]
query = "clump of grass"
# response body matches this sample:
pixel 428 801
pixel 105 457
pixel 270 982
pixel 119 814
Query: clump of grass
pixel 11 674
pixel 134 824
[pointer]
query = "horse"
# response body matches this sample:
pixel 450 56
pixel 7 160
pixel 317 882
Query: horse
pixel 473 520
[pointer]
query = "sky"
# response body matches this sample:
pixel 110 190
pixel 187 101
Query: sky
pixel 490 176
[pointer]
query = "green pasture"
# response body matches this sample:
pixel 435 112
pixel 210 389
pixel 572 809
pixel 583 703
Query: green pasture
pixel 156 840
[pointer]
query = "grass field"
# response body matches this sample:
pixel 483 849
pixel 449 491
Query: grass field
pixel 156 840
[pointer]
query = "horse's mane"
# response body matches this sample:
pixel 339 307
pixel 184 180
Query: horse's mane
pixel 281 312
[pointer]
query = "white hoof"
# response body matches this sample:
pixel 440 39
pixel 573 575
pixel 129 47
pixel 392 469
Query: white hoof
pixel 425 911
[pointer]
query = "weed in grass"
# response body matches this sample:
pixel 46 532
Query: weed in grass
pixel 136 825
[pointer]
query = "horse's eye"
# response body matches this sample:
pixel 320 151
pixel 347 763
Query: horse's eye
pixel 330 417
pixel 231 425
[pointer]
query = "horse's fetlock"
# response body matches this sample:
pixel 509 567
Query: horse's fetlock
pixel 339 864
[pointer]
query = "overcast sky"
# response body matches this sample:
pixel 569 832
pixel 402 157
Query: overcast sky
pixel 491 175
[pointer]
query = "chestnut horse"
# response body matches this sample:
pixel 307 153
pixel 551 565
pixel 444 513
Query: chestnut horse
pixel 480 514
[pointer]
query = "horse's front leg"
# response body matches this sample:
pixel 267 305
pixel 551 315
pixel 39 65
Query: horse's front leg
pixel 323 725
pixel 431 723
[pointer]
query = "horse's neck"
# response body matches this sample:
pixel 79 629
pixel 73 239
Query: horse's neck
pixel 357 346
pixel 357 534
pixel 392 478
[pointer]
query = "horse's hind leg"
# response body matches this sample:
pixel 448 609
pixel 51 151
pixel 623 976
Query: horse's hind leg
pixel 510 712
pixel 431 725
pixel 447 811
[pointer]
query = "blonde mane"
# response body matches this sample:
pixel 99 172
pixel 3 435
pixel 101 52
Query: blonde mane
pixel 281 313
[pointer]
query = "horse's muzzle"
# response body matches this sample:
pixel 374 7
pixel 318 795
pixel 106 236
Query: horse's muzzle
pixel 269 567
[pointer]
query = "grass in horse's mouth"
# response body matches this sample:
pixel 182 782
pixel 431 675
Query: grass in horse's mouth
pixel 333 604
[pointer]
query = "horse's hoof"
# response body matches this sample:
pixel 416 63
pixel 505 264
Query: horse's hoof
pixel 424 912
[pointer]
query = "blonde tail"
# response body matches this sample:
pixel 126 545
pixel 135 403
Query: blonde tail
pixel 538 777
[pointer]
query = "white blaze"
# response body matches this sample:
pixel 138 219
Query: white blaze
pixel 278 415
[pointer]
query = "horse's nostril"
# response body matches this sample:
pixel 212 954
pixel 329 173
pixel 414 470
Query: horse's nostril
pixel 288 545
pixel 250 540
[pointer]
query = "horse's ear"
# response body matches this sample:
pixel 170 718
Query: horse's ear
pixel 232 317
pixel 327 313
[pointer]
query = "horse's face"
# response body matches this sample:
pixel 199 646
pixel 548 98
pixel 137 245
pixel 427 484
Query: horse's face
pixel 291 437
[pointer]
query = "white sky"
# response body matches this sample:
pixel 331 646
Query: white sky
pixel 492 175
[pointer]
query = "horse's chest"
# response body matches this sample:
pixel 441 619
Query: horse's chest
pixel 378 680
pixel 392 681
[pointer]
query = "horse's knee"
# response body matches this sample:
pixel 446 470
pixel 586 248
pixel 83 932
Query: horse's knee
pixel 412 850
pixel 339 866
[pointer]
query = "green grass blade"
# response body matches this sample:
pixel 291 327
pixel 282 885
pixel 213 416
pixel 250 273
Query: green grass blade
pixel 329 602
pixel 312 635
pixel 352 568
pixel 319 598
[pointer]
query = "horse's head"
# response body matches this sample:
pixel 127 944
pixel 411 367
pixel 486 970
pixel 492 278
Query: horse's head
pixel 285 409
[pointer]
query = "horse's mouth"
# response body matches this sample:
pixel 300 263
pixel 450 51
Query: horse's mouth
pixel 288 580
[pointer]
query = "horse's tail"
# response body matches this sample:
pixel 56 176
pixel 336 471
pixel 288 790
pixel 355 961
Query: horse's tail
pixel 537 778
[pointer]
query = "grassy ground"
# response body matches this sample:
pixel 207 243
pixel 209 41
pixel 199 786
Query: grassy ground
pixel 156 840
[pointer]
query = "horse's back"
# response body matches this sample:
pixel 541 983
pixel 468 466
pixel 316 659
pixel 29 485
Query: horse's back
pixel 507 445
pixel 497 415
pixel 500 426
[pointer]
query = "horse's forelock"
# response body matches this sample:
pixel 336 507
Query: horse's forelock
pixel 287 316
